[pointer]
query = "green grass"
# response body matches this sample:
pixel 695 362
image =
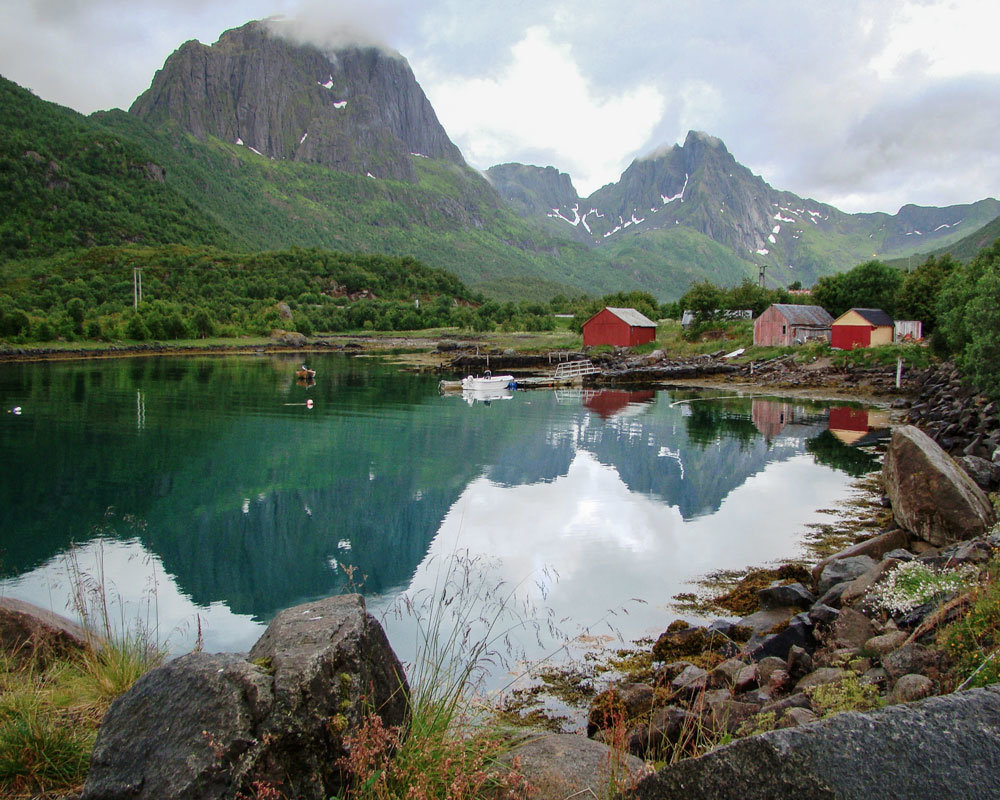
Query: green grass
pixel 50 711
pixel 972 642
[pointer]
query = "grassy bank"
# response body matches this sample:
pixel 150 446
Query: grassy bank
pixel 51 707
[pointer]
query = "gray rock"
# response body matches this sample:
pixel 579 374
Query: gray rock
pixel 767 665
pixel 692 681
pixel 856 590
pixel 290 338
pixel 875 548
pixel 622 703
pixel 822 614
pixel 210 725
pixel 851 629
pixel 841 570
pixel 911 658
pixel 558 766
pixel 876 676
pixel 785 595
pixel 911 687
pixel 939 747
pixel 795 716
pixel 822 677
pixel 723 676
pixel 885 643
pixel 28 630
pixel 778 707
pixel 931 495
pixel 664 728
pixel 183 730
pixel 799 662
pixel 763 621
pixel 985 473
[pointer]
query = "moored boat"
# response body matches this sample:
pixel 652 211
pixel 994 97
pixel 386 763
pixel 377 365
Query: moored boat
pixel 487 381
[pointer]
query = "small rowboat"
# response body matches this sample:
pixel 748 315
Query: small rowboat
pixel 487 381
pixel 305 373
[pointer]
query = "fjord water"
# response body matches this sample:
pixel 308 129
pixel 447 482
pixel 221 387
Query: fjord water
pixel 205 492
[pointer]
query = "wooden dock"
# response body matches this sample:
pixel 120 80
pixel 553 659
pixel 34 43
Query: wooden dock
pixel 568 373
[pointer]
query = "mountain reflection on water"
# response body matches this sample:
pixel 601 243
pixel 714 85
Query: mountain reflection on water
pixel 208 486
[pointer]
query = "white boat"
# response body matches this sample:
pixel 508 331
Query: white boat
pixel 487 381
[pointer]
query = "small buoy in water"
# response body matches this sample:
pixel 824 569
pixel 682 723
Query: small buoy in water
pixel 309 403
pixel 14 410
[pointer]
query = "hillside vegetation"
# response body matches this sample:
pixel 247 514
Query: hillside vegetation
pixel 66 183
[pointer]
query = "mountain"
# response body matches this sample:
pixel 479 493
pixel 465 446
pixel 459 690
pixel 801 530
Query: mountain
pixel 258 142
pixel 532 191
pixel 700 186
pixel 354 110
pixel 67 183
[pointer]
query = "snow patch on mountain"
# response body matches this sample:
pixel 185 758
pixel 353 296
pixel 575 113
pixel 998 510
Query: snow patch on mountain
pixel 679 195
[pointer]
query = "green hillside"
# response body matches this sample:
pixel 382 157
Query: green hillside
pixel 964 249
pixel 65 183
pixel 450 218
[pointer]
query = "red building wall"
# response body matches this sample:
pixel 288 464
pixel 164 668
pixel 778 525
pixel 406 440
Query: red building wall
pixel 767 329
pixel 606 328
pixel 847 337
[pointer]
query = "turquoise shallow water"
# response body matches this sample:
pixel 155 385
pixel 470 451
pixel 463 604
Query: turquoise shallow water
pixel 206 492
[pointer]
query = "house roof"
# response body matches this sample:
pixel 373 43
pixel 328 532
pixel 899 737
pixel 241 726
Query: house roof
pixel 632 317
pixel 876 316
pixel 816 316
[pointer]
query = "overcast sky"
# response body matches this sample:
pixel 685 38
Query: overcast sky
pixel 865 104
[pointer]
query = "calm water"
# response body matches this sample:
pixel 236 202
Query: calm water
pixel 206 489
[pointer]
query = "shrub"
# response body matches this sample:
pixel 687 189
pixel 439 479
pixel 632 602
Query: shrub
pixel 912 584
pixel 972 642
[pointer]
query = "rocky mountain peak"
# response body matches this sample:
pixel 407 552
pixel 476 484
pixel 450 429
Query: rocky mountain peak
pixel 532 190
pixel 354 108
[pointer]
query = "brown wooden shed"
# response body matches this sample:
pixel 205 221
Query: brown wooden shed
pixel 784 324
pixel 622 327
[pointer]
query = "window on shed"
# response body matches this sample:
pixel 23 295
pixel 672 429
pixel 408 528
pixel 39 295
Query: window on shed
pixel 783 330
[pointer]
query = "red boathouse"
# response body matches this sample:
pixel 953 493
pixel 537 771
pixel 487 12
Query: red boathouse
pixel 622 327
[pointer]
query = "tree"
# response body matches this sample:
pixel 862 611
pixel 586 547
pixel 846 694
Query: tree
pixel 75 311
pixel 872 284
pixel 703 299
pixel 918 295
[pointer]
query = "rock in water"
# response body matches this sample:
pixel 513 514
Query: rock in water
pixel 945 746
pixel 931 496
pixel 210 726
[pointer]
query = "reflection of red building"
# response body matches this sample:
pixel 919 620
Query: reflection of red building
pixel 850 425
pixel 609 402
pixel 770 416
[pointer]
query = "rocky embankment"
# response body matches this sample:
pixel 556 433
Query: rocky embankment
pixel 822 642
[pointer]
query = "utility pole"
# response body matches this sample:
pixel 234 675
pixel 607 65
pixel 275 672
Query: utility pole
pixel 760 275
pixel 136 287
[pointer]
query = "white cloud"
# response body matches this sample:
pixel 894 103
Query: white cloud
pixel 946 39
pixel 541 101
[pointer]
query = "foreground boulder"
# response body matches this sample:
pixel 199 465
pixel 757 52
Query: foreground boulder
pixel 28 631
pixel 218 726
pixel 931 495
pixel 558 766
pixel 945 746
